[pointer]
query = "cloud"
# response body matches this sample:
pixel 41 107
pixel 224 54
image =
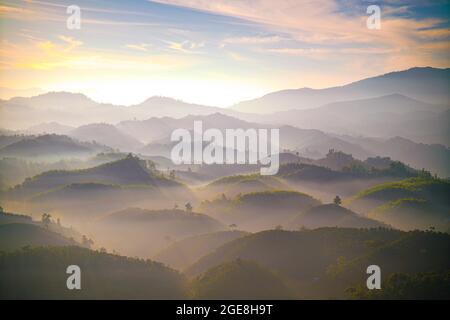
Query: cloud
pixel 138 47
pixel 186 46
pixel 325 24
pixel 72 43
pixel 253 40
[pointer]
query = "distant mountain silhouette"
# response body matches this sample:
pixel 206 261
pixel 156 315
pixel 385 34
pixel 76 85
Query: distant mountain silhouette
pixel 106 134
pixel 385 116
pixel 425 84
pixel 48 127
pixel 432 157
pixel 74 109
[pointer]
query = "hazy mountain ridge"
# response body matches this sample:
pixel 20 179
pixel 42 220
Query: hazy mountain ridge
pixel 426 84
pixel 386 116
pixel 50 146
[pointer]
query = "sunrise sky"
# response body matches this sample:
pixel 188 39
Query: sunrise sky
pixel 213 52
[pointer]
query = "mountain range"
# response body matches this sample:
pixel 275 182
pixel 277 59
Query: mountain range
pixel 425 84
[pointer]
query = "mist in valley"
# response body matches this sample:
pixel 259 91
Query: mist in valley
pixel 356 181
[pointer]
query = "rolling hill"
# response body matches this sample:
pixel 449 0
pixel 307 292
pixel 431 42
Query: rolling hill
pixel 127 171
pixel 415 203
pixel 311 260
pixel 14 236
pixel 82 195
pixel 233 185
pixel 104 276
pixel 185 252
pixel 239 279
pixel 332 215
pixel 50 147
pixel 413 254
pixel 258 211
pixel 149 231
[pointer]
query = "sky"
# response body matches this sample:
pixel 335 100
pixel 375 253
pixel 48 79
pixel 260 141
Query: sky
pixel 213 52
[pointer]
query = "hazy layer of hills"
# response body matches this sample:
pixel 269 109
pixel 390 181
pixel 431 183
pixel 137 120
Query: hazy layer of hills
pixel 239 279
pixel 149 231
pixel 16 235
pixel 87 193
pixel 259 210
pixel 358 164
pixel 425 84
pixel 415 203
pixel 386 116
pixel 332 215
pixel 50 147
pixel 324 263
pixel 186 251
pixel 106 134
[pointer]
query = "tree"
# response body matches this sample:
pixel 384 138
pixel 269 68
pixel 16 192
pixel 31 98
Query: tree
pixel 337 201
pixel 86 242
pixel 233 226
pixel 1 210
pixel 188 207
pixel 46 219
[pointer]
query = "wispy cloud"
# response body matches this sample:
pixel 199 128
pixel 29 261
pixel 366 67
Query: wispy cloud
pixel 253 40
pixel 185 46
pixel 322 23
pixel 138 47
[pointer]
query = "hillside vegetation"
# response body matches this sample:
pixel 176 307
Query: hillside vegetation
pixel 332 215
pixel 258 211
pixel 104 276
pixel 239 279
pixel 16 235
pixel 149 231
pixel 415 203
pixel 186 251
pixel 324 263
